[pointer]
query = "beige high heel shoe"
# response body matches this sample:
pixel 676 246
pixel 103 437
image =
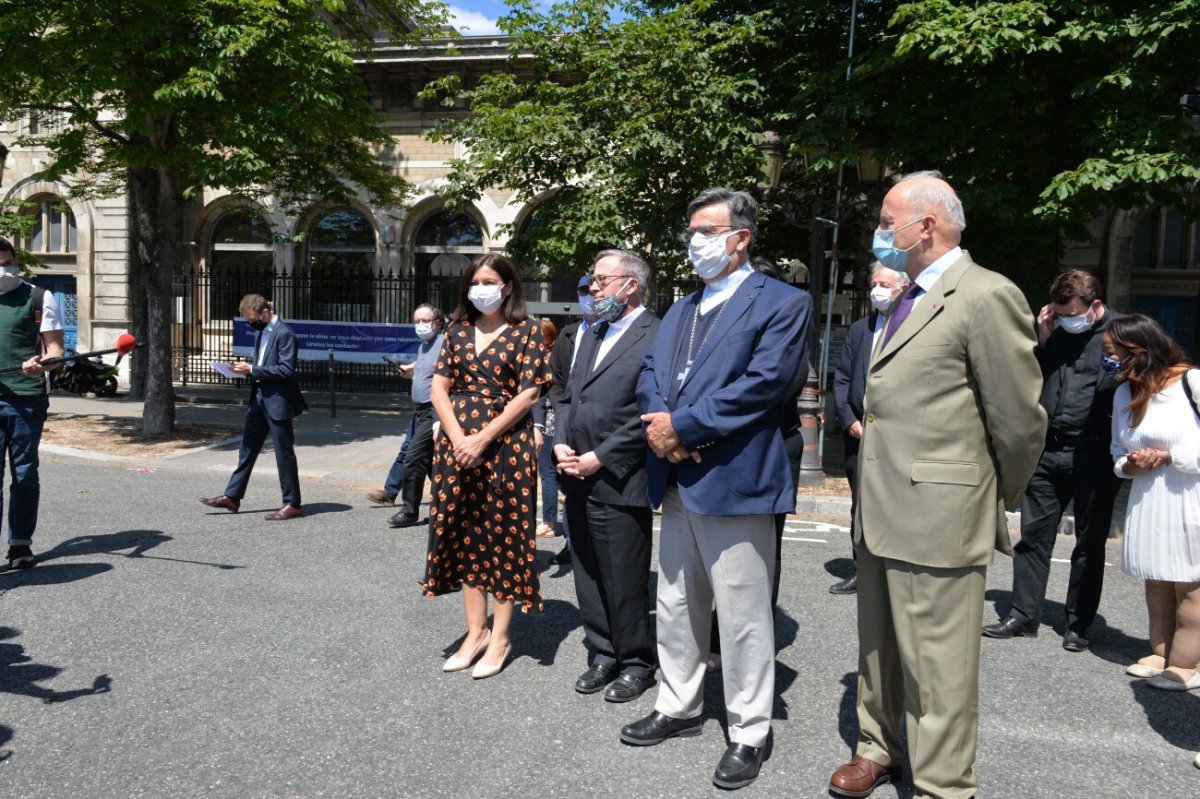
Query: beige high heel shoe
pixel 456 663
pixel 484 670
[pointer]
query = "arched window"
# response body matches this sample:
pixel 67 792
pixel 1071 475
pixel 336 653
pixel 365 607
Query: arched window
pixel 445 244
pixel 53 231
pixel 341 251
pixel 240 260
pixel 1164 239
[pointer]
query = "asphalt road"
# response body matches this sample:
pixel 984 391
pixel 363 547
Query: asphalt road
pixel 164 650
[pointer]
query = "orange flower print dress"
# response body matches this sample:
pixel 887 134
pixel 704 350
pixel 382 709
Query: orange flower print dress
pixel 482 520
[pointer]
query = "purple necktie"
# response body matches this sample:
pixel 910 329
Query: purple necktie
pixel 901 313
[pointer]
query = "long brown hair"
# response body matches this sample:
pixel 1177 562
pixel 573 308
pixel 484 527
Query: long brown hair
pixel 1155 359
pixel 512 309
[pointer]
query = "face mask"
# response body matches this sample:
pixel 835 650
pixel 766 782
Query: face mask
pixel 1075 324
pixel 610 308
pixel 881 298
pixel 588 303
pixel 1112 367
pixel 10 278
pixel 885 250
pixel 257 324
pixel 424 331
pixel 708 254
pixel 485 298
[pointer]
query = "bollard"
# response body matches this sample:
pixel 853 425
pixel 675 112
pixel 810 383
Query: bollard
pixel 811 419
pixel 332 395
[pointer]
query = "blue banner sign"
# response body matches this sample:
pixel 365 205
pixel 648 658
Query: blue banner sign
pixel 354 342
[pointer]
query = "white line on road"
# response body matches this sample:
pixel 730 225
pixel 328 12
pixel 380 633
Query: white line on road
pixel 806 540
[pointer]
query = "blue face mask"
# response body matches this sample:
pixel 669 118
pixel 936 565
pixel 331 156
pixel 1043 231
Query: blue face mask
pixel 1112 367
pixel 587 304
pixel 885 250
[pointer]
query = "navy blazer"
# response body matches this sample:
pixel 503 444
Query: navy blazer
pixel 850 376
pixel 728 408
pixel 600 414
pixel 275 379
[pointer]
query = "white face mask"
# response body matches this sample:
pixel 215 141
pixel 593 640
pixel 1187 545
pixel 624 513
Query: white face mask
pixel 425 331
pixel 1076 324
pixel 10 278
pixel 486 298
pixel 881 298
pixel 708 254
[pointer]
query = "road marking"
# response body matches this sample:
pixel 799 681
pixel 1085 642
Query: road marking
pixel 806 540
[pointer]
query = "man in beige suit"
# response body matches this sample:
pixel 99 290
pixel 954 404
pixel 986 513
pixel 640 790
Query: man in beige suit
pixel 953 430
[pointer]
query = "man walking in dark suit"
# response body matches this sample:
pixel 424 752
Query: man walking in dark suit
pixel 711 394
pixel 275 400
pixel 601 455
pixel 850 382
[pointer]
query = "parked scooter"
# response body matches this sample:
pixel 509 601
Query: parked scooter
pixel 87 376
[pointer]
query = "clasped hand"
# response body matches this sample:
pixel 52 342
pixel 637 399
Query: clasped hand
pixel 1143 460
pixel 663 441
pixel 468 450
pixel 575 465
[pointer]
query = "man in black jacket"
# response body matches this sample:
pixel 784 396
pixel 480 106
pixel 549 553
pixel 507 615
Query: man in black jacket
pixel 601 454
pixel 1075 465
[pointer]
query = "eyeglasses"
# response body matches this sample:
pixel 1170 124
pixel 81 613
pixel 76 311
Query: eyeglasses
pixel 705 230
pixel 602 281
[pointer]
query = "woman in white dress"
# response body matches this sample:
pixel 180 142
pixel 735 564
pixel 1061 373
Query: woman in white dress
pixel 1156 442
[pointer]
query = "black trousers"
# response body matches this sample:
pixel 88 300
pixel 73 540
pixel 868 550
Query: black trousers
pixel 850 446
pixel 1083 474
pixel 418 460
pixel 611 545
pixel 254 434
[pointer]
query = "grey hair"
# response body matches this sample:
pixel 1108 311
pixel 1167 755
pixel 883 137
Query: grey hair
pixel 439 318
pixel 631 265
pixel 936 195
pixel 901 276
pixel 743 209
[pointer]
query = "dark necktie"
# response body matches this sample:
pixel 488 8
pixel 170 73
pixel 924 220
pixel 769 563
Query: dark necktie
pixel 601 330
pixel 903 308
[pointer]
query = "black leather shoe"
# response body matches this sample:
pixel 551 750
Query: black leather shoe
pixel 627 688
pixel 658 727
pixel 739 766
pixel 1011 628
pixel 403 519
pixel 562 558
pixel 594 679
pixel 1076 642
pixel 847 586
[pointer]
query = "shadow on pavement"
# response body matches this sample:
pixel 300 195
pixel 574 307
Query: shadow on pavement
pixel 138 541
pixel 19 676
pixel 1171 714
pixel 55 574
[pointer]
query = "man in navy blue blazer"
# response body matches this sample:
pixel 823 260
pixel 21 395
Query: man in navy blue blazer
pixel 711 392
pixel 275 400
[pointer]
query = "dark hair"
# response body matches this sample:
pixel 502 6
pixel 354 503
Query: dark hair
pixel 1155 359
pixel 766 266
pixel 1075 283
pixel 6 246
pixel 512 309
pixel 743 210
pixel 439 318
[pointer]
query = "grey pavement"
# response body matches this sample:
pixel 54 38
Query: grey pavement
pixel 165 650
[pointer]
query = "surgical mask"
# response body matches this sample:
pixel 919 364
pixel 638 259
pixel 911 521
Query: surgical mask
pixel 1112 367
pixel 1075 324
pixel 881 298
pixel 424 330
pixel 610 308
pixel 10 278
pixel 588 303
pixel 485 298
pixel 708 255
pixel 885 249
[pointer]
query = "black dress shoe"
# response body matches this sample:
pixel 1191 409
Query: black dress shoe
pixel 627 688
pixel 562 558
pixel 739 766
pixel 847 586
pixel 594 679
pixel 1075 642
pixel 658 727
pixel 1011 628
pixel 403 519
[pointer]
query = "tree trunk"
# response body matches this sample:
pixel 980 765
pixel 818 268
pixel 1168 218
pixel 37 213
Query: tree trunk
pixel 158 411
pixel 142 194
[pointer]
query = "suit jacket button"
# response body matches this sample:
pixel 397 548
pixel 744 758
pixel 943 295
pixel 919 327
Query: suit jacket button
pixel 870 417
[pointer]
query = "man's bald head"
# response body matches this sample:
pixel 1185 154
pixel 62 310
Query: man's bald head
pixel 926 203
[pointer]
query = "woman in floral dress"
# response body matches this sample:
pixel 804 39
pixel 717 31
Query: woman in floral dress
pixel 491 371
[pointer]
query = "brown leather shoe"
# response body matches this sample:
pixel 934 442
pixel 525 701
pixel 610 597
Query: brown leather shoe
pixel 222 501
pixel 284 513
pixel 381 498
pixel 860 777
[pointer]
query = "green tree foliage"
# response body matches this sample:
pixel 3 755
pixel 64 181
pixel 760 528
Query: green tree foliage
pixel 165 97
pixel 620 124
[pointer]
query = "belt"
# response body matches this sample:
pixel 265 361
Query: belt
pixel 422 406
pixel 1060 439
